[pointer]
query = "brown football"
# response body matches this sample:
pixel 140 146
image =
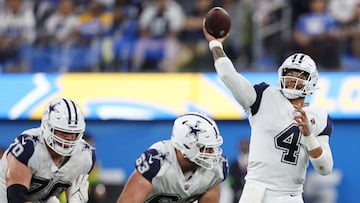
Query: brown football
pixel 217 22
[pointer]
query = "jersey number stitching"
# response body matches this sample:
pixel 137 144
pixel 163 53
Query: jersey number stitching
pixel 43 189
pixel 141 164
pixel 288 141
pixel 17 147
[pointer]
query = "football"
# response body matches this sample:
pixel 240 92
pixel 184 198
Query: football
pixel 217 22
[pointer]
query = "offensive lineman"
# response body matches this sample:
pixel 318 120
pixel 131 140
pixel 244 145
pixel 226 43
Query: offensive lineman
pixel 188 167
pixel 42 162
pixel 286 131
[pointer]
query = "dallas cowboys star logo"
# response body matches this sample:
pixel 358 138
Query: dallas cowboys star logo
pixel 162 156
pixel 194 130
pixel 52 107
pixel 35 138
pixel 86 147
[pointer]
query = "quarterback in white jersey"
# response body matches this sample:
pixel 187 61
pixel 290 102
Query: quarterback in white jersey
pixel 286 132
pixel 43 162
pixel 188 167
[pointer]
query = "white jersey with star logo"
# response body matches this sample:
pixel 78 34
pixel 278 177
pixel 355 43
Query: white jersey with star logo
pixel 159 165
pixel 47 178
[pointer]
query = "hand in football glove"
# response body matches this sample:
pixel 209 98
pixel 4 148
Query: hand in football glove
pixel 79 190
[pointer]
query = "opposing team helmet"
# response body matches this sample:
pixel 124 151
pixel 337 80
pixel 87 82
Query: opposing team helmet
pixel 303 64
pixel 197 137
pixel 63 115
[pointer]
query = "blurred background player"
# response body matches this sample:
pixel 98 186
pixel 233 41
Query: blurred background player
pixel 188 167
pixel 17 33
pixel 286 132
pixel 94 177
pixel 238 169
pixel 322 189
pixel 316 34
pixel 157 48
pixel 42 162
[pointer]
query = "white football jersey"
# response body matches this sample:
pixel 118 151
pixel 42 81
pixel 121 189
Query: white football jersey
pixel 278 157
pixel 47 178
pixel 159 165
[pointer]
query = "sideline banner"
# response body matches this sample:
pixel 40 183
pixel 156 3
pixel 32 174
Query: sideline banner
pixel 157 96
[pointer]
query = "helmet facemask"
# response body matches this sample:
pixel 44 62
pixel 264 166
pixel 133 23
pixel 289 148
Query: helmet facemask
pixel 207 156
pixel 59 145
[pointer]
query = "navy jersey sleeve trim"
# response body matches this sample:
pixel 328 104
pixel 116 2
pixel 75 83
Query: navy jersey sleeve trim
pixel 93 157
pixel 329 127
pixel 149 163
pixel 259 89
pixel 22 148
pixel 225 167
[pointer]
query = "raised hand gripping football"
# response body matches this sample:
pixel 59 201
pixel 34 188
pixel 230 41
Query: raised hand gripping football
pixel 79 190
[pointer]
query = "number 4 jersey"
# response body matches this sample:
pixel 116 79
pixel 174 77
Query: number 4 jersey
pixel 47 178
pixel 278 157
pixel 159 165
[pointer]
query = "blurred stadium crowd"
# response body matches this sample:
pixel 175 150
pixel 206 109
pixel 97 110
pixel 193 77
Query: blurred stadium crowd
pixel 166 35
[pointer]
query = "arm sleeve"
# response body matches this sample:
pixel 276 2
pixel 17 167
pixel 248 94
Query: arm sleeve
pixel 239 86
pixel 324 163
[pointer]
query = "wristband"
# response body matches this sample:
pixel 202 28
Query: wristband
pixel 215 43
pixel 311 142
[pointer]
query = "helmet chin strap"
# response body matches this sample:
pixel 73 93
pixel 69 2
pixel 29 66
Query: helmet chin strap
pixel 289 95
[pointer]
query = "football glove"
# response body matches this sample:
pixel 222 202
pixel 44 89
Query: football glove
pixel 79 190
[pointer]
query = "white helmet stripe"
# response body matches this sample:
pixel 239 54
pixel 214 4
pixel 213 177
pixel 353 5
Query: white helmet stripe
pixel 76 113
pixel 69 110
pixel 300 60
pixel 293 59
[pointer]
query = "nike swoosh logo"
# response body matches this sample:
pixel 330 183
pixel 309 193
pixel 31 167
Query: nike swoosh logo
pixel 23 141
pixel 151 160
